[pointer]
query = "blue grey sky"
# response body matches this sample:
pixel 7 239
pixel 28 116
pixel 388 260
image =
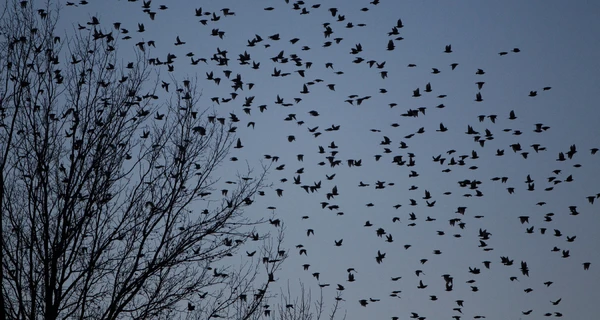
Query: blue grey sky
pixel 559 45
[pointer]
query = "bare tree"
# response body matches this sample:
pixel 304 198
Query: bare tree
pixel 107 196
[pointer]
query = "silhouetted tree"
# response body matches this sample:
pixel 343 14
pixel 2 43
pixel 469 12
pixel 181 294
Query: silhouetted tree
pixel 106 194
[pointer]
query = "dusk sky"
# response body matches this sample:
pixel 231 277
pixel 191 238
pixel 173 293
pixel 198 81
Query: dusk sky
pixel 556 61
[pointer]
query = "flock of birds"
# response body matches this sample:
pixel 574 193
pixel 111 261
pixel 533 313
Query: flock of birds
pixel 272 55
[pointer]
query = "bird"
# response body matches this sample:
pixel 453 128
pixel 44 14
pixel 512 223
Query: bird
pixel 586 265
pixel 380 256
pixel 178 41
pixel 390 45
pixel 238 144
pixel 524 219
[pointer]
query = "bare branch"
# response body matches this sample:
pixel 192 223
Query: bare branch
pixel 108 197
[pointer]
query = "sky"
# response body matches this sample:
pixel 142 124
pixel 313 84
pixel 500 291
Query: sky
pixel 558 48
